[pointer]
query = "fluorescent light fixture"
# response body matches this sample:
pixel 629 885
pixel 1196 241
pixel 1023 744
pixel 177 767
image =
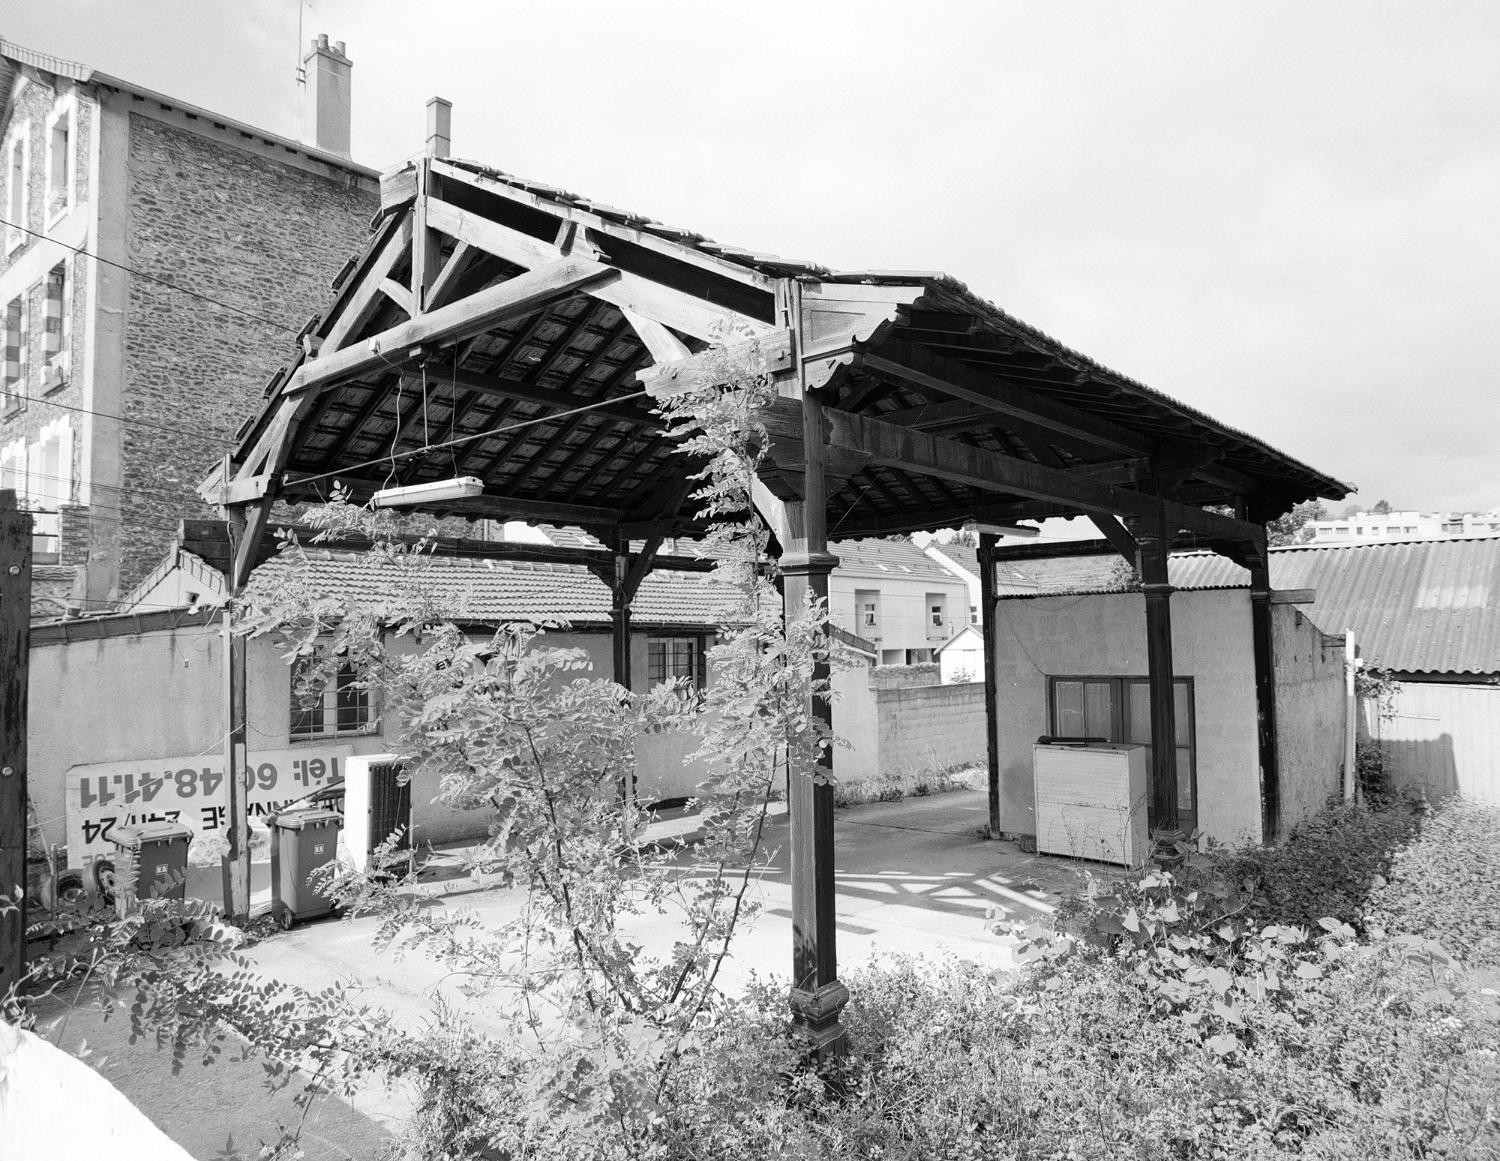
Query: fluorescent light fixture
pixel 459 488
pixel 1026 530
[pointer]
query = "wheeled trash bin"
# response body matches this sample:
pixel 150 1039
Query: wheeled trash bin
pixel 158 851
pixel 301 842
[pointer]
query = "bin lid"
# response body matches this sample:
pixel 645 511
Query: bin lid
pixel 149 832
pixel 302 819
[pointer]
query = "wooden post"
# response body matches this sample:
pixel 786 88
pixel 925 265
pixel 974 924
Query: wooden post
pixel 1265 695
pixel 245 528
pixel 15 628
pixel 619 612
pixel 818 996
pixel 988 611
pixel 1154 544
pixel 1351 714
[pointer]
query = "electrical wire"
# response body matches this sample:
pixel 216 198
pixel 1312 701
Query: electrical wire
pixel 161 281
pixel 125 419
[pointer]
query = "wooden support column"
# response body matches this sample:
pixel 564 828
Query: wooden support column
pixel 15 628
pixel 818 996
pixel 989 610
pixel 1154 543
pixel 1265 694
pixel 619 612
pixel 247 524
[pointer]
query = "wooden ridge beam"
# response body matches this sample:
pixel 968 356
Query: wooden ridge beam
pixel 459 320
pixel 921 368
pixel 581 217
pixel 673 308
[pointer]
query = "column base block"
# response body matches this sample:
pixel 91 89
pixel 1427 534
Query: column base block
pixel 815 1018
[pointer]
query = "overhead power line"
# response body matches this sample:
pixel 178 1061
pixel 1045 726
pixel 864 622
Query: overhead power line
pixel 219 302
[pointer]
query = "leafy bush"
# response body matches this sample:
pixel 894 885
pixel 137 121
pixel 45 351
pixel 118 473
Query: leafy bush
pixel 1445 883
pixel 1327 867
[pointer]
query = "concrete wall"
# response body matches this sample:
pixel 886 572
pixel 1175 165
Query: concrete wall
pixel 158 694
pixel 902 729
pixel 1105 635
pixel 1310 710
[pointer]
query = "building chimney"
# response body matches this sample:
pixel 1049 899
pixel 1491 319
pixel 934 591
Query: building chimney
pixel 325 107
pixel 439 126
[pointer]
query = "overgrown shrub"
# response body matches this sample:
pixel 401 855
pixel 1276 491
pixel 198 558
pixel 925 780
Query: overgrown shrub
pixel 1327 867
pixel 1445 883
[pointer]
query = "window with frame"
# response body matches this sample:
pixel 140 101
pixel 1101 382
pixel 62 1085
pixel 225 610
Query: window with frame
pixel 56 310
pixel 339 706
pixel 973 614
pixel 1118 709
pixel 49 486
pixel 675 659
pixel 17 154
pixel 937 614
pixel 60 160
pixel 15 352
pixel 867 612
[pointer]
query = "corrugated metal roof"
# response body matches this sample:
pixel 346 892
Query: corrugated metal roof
pixel 498 591
pixel 1425 606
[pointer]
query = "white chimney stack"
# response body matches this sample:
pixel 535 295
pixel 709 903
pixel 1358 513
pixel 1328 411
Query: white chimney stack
pixel 325 108
pixel 439 126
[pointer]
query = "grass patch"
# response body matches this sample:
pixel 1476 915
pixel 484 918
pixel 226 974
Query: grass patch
pixel 894 787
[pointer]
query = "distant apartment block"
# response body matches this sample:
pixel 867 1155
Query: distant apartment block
pixel 1378 527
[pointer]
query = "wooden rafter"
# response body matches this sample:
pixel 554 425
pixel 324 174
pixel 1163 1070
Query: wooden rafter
pixel 481 310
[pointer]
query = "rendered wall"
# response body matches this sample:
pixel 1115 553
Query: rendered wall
pixel 1105 635
pixel 159 694
pixel 1309 714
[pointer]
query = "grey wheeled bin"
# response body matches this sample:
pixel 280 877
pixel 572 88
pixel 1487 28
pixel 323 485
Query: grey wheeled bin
pixel 301 842
pixel 158 851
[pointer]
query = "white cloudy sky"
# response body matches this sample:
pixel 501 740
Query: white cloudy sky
pixel 1284 213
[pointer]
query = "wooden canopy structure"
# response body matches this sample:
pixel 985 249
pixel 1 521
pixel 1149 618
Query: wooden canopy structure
pixel 511 331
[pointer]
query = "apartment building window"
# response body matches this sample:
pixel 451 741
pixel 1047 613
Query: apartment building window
pixel 1118 709
pixel 13 469
pixel 49 485
pixel 973 614
pixel 338 706
pixel 867 612
pixel 675 659
pixel 56 308
pixel 15 353
pixel 17 151
pixel 60 160
pixel 937 614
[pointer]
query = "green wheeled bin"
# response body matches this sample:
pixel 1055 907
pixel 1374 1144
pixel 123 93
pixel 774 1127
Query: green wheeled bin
pixel 159 852
pixel 301 842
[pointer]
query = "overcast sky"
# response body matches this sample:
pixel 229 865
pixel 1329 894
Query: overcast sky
pixel 1284 214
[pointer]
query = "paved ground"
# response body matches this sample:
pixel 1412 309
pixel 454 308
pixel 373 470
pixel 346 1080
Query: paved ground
pixel 913 877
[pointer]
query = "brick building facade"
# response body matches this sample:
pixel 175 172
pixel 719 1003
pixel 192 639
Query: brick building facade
pixel 157 264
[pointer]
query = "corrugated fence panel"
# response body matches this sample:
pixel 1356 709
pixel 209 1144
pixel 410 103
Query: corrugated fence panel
pixel 1444 739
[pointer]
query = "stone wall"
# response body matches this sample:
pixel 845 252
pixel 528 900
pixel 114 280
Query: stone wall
pixel 262 237
pixel 904 729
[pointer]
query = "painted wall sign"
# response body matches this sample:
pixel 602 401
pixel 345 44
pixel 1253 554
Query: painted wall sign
pixel 189 791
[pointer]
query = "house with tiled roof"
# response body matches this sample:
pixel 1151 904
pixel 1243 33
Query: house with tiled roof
pixel 893 594
pixel 140 693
